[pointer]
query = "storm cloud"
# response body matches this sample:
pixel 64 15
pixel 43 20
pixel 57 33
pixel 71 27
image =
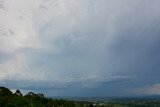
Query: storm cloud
pixel 91 47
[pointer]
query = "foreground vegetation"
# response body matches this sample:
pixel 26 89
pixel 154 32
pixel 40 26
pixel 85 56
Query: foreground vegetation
pixel 9 99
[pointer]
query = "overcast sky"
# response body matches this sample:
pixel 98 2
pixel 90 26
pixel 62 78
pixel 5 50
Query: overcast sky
pixel 81 47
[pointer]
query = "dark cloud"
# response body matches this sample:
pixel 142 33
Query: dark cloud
pixel 83 48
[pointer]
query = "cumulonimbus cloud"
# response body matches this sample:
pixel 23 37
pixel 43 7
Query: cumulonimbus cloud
pixel 63 42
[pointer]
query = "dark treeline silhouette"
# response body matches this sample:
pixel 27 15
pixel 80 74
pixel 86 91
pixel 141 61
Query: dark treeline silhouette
pixel 17 99
pixel 9 99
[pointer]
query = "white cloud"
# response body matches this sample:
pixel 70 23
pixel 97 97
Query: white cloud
pixel 37 26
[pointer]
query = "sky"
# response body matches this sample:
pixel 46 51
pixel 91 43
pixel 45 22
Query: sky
pixel 80 48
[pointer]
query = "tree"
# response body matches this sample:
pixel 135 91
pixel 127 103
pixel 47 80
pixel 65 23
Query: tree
pixel 5 91
pixel 18 92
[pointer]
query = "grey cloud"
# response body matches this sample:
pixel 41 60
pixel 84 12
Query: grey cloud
pixel 100 43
